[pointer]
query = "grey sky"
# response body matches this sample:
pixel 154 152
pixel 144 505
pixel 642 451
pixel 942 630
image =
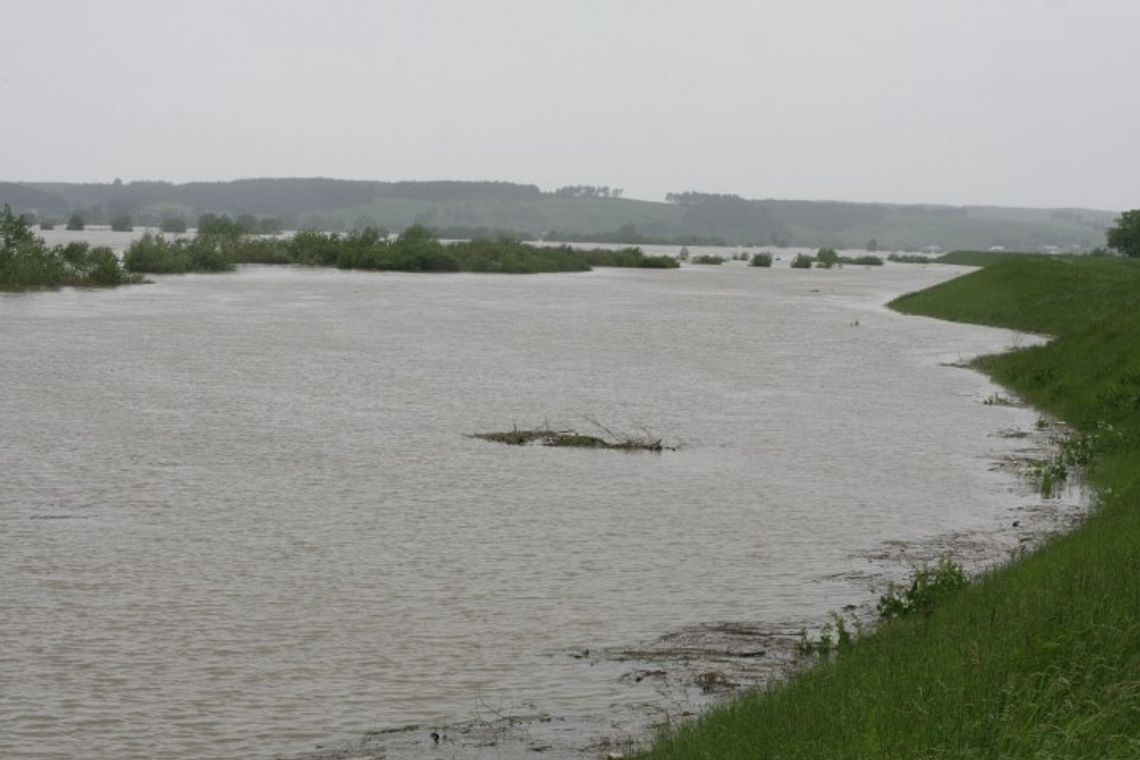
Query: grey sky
pixel 1014 102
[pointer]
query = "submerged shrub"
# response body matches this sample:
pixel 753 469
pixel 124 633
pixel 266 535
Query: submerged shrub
pixel 314 248
pixel 869 261
pixel 708 259
pixel 27 262
pixel 761 260
pixel 158 255
pixel 173 224
pixel 826 258
pixel 801 261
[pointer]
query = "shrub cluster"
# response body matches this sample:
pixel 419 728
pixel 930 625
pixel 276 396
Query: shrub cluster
pixel 868 261
pixel 416 250
pixel 159 255
pixel 708 259
pixel 26 261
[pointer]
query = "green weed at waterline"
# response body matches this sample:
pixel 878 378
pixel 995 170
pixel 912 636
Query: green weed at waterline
pixel 929 588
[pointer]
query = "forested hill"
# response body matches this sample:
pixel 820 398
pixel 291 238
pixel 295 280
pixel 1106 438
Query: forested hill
pixel 464 209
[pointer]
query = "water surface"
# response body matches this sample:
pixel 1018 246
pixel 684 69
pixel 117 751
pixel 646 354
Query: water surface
pixel 240 515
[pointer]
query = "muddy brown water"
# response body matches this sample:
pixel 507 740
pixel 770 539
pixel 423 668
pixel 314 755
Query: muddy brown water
pixel 241 515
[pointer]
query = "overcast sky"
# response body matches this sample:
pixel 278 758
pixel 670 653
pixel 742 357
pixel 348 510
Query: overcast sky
pixel 1013 102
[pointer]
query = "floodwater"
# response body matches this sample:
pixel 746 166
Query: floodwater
pixel 240 515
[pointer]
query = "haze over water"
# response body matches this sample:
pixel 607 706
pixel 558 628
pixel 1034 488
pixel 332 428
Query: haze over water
pixel 240 516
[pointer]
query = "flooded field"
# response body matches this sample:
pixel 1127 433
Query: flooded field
pixel 242 515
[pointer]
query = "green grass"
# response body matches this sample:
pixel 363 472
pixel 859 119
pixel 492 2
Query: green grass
pixel 981 258
pixel 1045 294
pixel 1040 659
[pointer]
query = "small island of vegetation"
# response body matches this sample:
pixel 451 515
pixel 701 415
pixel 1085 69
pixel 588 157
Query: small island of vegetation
pixel 26 261
pixel 826 258
pixel 220 246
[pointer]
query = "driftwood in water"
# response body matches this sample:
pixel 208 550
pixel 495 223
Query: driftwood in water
pixel 573 439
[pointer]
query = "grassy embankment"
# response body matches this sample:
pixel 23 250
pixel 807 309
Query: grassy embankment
pixel 1040 659
pixel 415 251
pixel 983 258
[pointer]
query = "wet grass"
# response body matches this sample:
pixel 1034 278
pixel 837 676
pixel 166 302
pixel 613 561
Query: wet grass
pixel 1041 658
pixel 1054 295
pixel 982 258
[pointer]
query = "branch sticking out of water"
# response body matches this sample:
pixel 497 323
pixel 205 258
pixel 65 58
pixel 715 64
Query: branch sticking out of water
pixel 574 439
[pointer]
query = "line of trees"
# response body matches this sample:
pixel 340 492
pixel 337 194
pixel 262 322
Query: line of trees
pixel 588 191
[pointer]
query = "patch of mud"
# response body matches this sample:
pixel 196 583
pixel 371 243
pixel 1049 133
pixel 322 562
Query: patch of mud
pixel 679 674
pixel 1028 525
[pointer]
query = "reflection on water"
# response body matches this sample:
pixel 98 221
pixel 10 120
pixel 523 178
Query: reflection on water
pixel 284 538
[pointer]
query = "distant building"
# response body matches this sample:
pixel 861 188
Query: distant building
pixel 997 248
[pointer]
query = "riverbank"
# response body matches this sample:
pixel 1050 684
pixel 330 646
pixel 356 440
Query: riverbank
pixel 1040 658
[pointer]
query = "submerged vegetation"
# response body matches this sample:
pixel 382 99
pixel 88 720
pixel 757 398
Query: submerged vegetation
pixel 573 439
pixel 910 258
pixel 1040 658
pixel 929 587
pixel 708 258
pixel 26 261
pixel 826 258
pixel 156 254
pixel 866 261
pixel 222 243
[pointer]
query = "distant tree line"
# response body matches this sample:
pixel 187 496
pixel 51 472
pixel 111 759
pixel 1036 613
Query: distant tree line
pixel 628 234
pixel 588 191
pixel 695 197
pixel 274 197
pixel 342 205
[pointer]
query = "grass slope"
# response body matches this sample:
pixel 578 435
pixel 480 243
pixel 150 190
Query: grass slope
pixel 1042 658
pixel 981 258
